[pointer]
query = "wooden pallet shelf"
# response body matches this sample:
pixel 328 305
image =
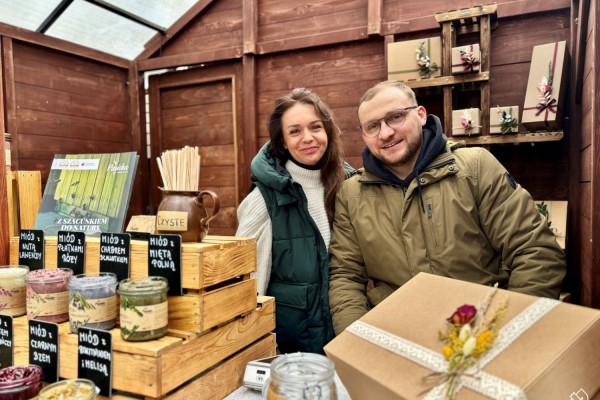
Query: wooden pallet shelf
pixel 528 137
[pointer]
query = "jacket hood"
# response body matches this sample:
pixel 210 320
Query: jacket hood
pixel 269 170
pixel 434 143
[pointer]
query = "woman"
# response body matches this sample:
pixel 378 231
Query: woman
pixel 290 211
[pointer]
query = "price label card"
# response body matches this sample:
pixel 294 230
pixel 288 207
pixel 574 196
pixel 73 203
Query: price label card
pixel 115 254
pixel 94 358
pixel 43 348
pixel 6 341
pixel 70 251
pixel 164 259
pixel 31 248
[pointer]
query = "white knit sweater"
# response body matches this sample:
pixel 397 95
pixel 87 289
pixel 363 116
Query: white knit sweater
pixel 254 220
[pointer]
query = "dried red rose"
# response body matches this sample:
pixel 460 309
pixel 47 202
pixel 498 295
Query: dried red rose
pixel 463 315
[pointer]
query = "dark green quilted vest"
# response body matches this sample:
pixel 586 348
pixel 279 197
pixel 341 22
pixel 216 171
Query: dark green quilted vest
pixel 299 276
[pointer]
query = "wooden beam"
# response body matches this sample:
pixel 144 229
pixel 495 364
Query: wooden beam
pixel 250 22
pixel 578 44
pixel 4 227
pixel 374 11
pixel 10 98
pixel 62 45
pixel 137 108
pixel 160 40
pixel 195 58
pixel 248 136
pixel 594 275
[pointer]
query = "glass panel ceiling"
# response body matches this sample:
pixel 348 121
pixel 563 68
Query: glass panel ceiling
pixel 117 27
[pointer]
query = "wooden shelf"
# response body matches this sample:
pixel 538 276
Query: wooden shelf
pixel 528 137
pixel 448 80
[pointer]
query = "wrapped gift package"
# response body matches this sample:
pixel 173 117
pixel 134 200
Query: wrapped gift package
pixel 557 218
pixel 545 93
pixel 466 59
pixel 504 119
pixel 545 349
pixel 466 122
pixel 415 59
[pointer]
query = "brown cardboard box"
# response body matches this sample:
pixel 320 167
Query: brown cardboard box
pixel 543 110
pixel 557 356
pixel 466 59
pixel 471 114
pixel 402 59
pixel 496 119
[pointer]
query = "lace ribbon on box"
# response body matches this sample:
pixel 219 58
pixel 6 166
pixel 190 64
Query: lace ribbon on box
pixel 475 379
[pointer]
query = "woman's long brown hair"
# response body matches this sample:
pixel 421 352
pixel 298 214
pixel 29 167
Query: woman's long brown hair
pixel 332 171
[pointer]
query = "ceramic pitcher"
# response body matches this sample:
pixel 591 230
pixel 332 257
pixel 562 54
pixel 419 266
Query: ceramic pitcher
pixel 184 213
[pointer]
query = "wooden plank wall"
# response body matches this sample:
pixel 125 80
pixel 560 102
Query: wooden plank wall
pixel 338 50
pixel 58 102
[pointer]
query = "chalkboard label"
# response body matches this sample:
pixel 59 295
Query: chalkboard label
pixel 6 341
pixel 31 248
pixel 94 358
pixel 115 254
pixel 43 348
pixel 70 251
pixel 164 259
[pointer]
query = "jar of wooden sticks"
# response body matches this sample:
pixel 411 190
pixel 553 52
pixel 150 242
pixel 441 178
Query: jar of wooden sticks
pixel 181 210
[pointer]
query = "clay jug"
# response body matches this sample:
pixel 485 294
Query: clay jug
pixel 183 213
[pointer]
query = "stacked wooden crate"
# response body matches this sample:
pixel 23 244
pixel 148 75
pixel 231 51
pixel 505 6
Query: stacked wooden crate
pixel 214 329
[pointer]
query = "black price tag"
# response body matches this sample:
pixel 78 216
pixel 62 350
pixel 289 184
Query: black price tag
pixel 115 254
pixel 94 358
pixel 6 341
pixel 164 259
pixel 31 248
pixel 43 348
pixel 70 251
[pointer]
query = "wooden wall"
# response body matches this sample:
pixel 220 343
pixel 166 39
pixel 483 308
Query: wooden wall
pixel 60 98
pixel 588 149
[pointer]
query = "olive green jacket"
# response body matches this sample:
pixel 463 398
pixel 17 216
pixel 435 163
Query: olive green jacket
pixel 462 217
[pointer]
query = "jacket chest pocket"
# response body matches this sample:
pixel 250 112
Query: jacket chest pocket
pixel 432 225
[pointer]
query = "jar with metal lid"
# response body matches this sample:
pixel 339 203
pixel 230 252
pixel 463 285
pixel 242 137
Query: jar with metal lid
pixel 93 301
pixel 72 389
pixel 302 376
pixel 144 308
pixel 21 382
pixel 13 289
pixel 47 294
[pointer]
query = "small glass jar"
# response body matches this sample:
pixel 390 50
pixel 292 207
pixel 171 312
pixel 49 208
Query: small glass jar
pixel 13 289
pixel 72 389
pixel 301 376
pixel 144 308
pixel 20 382
pixel 93 301
pixel 48 294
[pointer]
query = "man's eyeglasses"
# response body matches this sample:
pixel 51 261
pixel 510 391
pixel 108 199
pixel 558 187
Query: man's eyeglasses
pixel 394 119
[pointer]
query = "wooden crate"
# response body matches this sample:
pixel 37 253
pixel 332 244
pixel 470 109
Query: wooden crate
pixel 215 274
pixel 176 366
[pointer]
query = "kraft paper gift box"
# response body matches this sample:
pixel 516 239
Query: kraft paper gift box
pixel 504 119
pixel 466 59
pixel 415 59
pixel 466 122
pixel 545 348
pixel 544 96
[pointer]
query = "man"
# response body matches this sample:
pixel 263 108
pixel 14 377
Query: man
pixel 423 204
